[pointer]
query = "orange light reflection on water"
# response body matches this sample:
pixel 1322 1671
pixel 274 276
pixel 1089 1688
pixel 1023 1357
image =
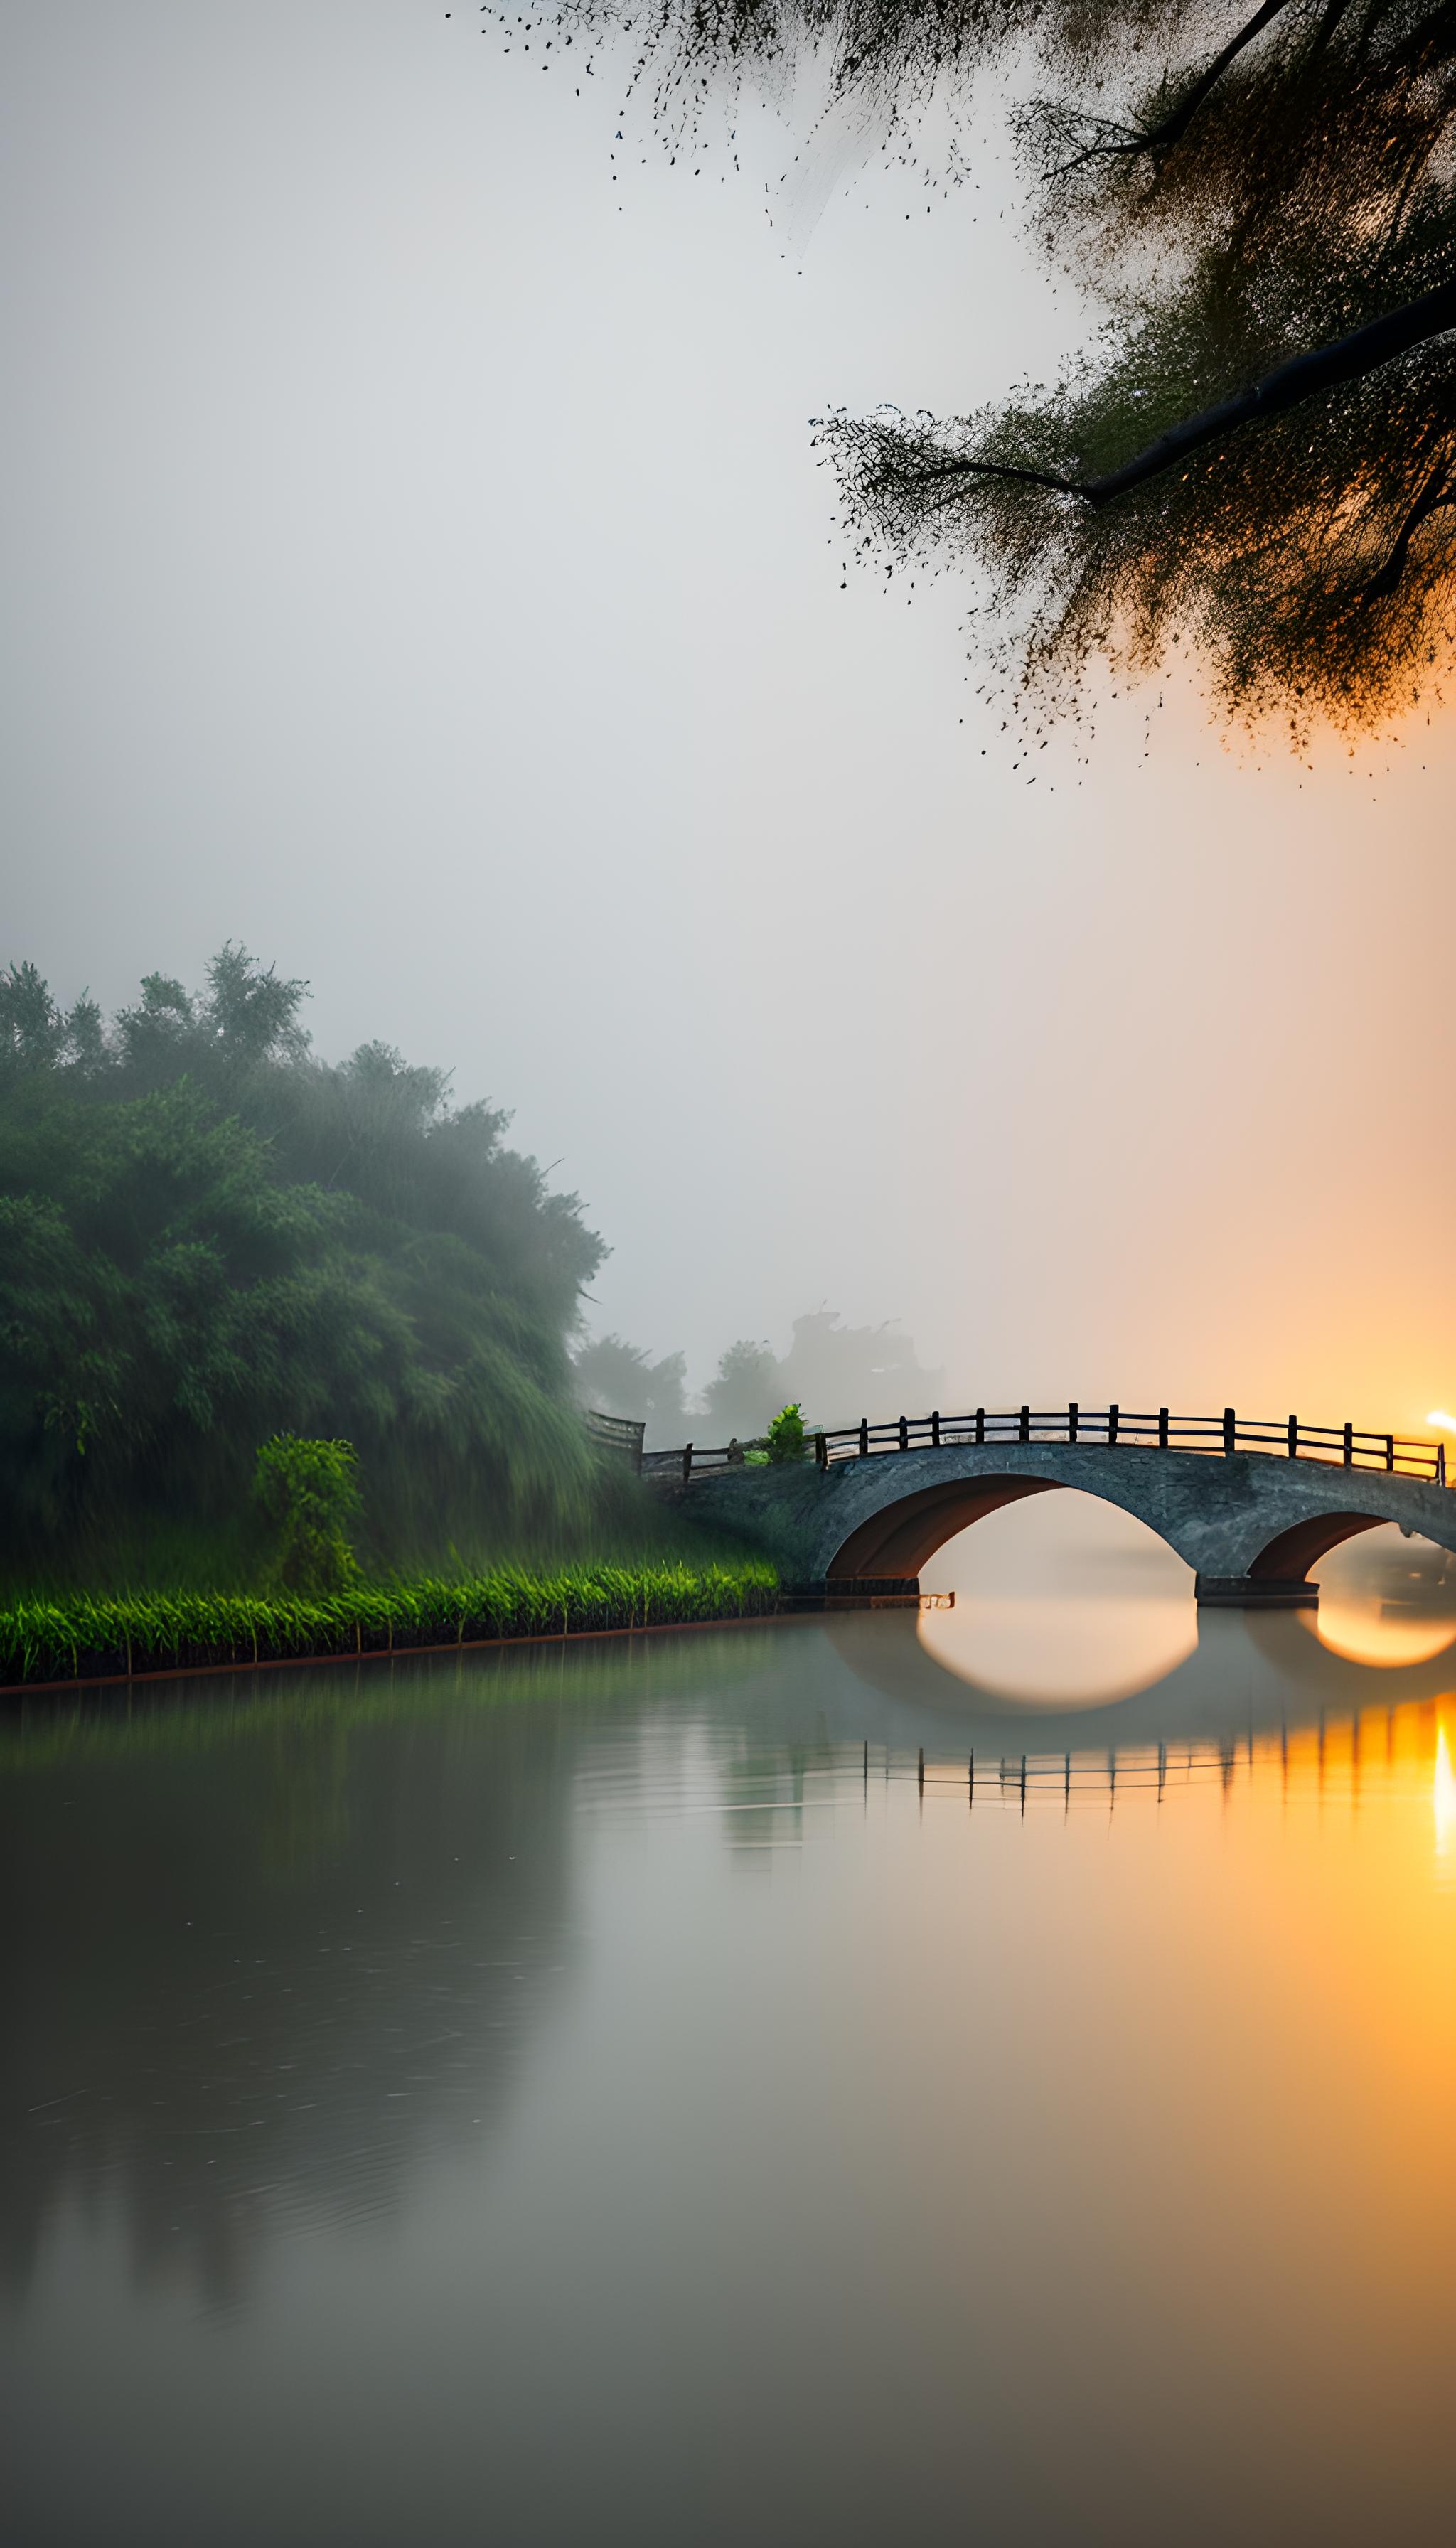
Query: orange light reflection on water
pixel 1443 1797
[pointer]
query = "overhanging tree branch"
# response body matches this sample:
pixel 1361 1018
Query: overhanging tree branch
pixel 1350 358
pixel 1171 127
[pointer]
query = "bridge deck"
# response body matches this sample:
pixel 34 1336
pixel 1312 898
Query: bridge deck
pixel 1345 1445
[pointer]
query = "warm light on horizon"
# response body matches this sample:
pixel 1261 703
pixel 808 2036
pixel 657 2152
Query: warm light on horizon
pixel 1440 1415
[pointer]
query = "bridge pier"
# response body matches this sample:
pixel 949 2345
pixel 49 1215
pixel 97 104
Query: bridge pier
pixel 1255 1592
pixel 852 1592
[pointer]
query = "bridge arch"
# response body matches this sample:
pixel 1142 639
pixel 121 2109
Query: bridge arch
pixel 1291 1553
pixel 903 1536
pixel 896 1542
pixel 1251 1525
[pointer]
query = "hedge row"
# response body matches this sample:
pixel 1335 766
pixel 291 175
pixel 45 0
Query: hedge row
pixel 86 1639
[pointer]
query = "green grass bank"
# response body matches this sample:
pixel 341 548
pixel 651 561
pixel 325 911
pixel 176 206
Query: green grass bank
pixel 78 1637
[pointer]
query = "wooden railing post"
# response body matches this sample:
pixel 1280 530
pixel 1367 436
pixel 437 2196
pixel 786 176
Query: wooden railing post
pixel 1440 1464
pixel 821 1450
pixel 980 1424
pixel 934 1428
pixel 1230 1432
pixel 1024 1433
pixel 1293 1437
pixel 1111 1427
pixel 687 1462
pixel 904 1435
pixel 863 1437
pixel 1071 1421
pixel 1349 1446
pixel 1390 1450
pixel 1162 1429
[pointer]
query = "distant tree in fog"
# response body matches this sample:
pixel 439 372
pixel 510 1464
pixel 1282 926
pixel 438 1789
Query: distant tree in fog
pixel 841 1373
pixel 619 1379
pixel 837 1373
pixel 743 1392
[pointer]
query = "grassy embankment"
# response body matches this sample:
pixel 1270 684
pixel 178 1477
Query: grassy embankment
pixel 81 1636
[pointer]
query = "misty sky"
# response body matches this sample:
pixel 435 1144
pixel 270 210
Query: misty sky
pixel 417 567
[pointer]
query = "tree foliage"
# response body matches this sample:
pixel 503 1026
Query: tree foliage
pixel 1256 460
pixel 310 1492
pixel 209 1236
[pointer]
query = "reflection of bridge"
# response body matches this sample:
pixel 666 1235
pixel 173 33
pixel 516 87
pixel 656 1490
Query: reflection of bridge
pixel 1250 1673
pixel 1251 1519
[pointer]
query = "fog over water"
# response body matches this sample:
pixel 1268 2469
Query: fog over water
pixel 417 567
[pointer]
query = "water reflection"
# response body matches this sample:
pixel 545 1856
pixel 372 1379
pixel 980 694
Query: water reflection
pixel 1060 1599
pixel 1379 1755
pixel 284 1942
pixel 1386 1599
pixel 758 2084
pixel 1445 1797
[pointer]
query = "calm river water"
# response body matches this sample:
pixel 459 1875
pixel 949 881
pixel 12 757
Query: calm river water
pixel 606 2093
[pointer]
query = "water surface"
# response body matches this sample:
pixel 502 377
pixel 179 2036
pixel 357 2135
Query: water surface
pixel 621 2092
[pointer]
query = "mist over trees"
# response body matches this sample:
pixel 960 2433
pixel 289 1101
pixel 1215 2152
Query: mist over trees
pixel 208 1235
pixel 836 1373
pixel 619 1379
pixel 1257 459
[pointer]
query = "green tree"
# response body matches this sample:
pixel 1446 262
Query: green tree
pixel 209 1236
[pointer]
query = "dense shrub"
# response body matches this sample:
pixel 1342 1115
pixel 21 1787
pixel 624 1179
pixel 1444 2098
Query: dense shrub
pixel 786 1435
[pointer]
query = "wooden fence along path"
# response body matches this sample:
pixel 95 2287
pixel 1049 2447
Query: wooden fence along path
pixel 1340 1445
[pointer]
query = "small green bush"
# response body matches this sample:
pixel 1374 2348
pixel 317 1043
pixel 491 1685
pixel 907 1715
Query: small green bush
pixel 786 1435
pixel 309 1490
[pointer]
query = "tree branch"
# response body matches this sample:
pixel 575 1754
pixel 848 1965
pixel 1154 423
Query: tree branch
pixel 1172 127
pixel 999 468
pixel 1349 358
pixel 1437 491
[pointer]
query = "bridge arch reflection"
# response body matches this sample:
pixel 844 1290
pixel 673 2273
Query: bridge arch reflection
pixel 1069 1599
pixel 1248 1672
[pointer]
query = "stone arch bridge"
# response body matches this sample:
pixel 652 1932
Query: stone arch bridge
pixel 1251 1508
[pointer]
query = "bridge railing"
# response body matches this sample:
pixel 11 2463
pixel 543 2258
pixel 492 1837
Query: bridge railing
pixel 1347 1447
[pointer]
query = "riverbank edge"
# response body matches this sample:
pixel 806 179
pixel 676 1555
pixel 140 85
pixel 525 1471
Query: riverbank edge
pixel 787 1606
pixel 85 1640
pixel 397 1654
